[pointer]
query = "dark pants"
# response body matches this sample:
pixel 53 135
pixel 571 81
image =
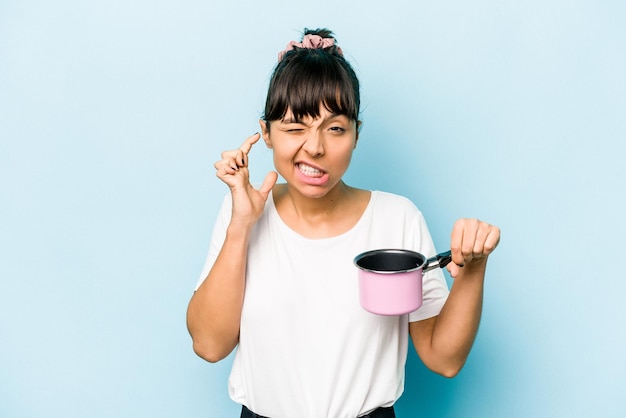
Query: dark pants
pixel 377 413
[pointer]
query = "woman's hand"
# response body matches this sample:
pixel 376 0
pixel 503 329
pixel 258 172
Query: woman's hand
pixel 471 242
pixel 232 169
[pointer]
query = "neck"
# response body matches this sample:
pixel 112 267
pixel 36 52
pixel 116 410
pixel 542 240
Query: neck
pixel 314 208
pixel 323 217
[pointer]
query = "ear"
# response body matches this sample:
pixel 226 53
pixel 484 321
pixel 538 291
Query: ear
pixel 265 132
pixel 358 130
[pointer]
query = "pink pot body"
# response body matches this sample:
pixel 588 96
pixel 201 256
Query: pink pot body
pixel 390 280
pixel 390 293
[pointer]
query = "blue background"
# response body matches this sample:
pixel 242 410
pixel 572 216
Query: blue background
pixel 113 112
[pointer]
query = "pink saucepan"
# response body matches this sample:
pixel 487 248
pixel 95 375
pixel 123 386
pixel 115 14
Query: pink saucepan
pixel 390 281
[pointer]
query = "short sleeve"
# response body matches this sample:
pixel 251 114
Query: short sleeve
pixel 217 238
pixel 434 287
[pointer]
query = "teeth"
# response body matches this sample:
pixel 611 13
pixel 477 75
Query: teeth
pixel 309 171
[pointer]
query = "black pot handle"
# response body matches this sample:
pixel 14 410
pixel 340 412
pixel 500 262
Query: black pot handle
pixel 439 261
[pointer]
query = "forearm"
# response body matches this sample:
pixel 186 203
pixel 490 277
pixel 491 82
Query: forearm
pixel 453 331
pixel 214 312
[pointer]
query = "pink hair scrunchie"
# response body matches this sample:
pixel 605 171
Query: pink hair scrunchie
pixel 309 42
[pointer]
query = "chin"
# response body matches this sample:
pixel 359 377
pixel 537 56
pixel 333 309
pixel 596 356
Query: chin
pixel 314 192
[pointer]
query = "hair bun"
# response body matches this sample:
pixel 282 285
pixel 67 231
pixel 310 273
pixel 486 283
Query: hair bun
pixel 312 41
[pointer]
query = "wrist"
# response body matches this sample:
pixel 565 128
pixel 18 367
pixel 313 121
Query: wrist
pixel 238 230
pixel 474 269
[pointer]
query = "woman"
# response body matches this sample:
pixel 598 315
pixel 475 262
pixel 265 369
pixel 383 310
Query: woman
pixel 279 283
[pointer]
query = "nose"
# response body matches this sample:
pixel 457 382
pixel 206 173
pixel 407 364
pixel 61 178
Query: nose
pixel 314 144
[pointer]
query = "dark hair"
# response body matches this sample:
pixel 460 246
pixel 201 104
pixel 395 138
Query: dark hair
pixel 308 78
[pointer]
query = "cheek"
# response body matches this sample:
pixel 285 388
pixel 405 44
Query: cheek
pixel 286 149
pixel 346 153
pixel 279 152
pixel 282 157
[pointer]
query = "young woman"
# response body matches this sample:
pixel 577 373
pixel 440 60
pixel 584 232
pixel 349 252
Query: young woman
pixel 279 282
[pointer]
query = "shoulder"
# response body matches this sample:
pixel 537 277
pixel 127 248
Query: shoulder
pixel 393 202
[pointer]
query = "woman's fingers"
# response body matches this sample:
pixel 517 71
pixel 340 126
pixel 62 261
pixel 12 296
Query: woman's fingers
pixel 456 242
pixel 234 160
pixel 493 239
pixel 247 145
pixel 227 166
pixel 268 183
pixel 472 238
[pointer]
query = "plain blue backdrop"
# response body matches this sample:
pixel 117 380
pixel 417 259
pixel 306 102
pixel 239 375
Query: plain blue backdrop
pixel 113 112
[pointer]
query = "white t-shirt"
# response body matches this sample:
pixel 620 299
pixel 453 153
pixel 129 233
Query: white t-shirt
pixel 306 347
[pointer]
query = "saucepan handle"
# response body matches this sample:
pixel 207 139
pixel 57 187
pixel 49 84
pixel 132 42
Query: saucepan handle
pixel 439 261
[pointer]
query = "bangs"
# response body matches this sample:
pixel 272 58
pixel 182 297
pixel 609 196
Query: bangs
pixel 308 81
